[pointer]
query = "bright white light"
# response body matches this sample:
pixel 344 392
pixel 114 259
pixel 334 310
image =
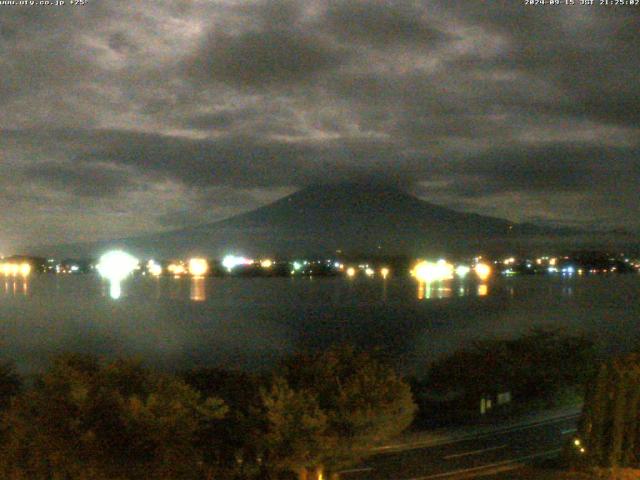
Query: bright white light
pixel 116 265
pixel 115 290
pixel 369 272
pixel 384 271
pixel 231 261
pixel 198 267
pixel 462 271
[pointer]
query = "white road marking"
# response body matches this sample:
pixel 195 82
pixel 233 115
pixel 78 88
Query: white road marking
pixel 448 441
pixel 355 470
pixel 568 431
pixel 474 452
pixel 513 462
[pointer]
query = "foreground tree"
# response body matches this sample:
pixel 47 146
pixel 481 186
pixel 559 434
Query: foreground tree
pixel 610 424
pixel 327 410
pixel 229 445
pixel 86 420
pixel 296 437
pixel 9 384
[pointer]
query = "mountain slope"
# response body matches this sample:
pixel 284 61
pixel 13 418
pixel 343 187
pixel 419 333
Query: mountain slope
pixel 351 218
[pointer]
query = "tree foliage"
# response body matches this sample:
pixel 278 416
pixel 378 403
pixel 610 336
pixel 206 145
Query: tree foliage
pixel 610 424
pixel 87 420
pixel 333 407
pixel 229 445
pixel 296 436
pixel 536 365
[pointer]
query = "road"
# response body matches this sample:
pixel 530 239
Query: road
pixel 502 449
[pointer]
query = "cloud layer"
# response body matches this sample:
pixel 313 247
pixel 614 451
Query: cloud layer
pixel 120 118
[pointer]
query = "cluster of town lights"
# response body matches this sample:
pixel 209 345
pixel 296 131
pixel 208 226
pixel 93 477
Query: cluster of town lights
pixel 427 272
pixel 117 265
pixel 351 272
pixel 11 269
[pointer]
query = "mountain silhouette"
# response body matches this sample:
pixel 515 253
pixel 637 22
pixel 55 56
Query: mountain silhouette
pixel 349 218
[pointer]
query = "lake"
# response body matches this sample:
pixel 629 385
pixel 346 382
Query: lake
pixel 249 323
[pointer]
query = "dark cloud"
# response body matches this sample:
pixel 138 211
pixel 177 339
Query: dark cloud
pixel 258 59
pixel 554 168
pixel 80 179
pixel 238 161
pixel 133 118
pixel 383 23
pixel 216 120
pixel 120 42
pixel 586 55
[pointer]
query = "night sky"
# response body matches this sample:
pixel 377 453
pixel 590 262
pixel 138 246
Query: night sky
pixel 119 118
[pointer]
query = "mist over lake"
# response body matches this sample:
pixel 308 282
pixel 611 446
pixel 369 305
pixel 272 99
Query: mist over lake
pixel 250 323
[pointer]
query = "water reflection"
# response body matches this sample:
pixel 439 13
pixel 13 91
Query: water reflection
pixel 115 289
pixel 15 287
pixel 252 322
pixel 198 291
pixel 112 289
pixel 432 290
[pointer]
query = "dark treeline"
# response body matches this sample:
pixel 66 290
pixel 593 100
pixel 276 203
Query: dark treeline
pixel 313 415
pixel 543 368
pixel 310 417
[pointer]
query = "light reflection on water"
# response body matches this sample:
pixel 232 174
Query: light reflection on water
pixel 16 286
pixel 250 322
pixel 437 290
pixel 198 289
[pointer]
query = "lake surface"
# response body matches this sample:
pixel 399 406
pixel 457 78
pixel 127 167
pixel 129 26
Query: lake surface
pixel 251 322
